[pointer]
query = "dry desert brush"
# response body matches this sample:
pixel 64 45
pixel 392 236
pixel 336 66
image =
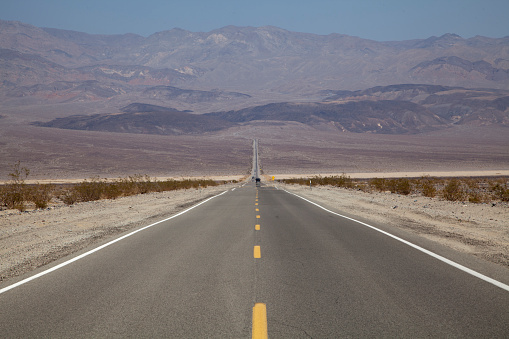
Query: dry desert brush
pixel 96 189
pixel 16 194
pixel 474 190
pixel 41 195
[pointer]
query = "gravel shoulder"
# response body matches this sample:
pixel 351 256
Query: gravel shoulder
pixel 32 239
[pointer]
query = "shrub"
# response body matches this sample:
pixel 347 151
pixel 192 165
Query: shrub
pixel 472 184
pixel 41 195
pixel 400 186
pixel 134 184
pixel 69 197
pixel 13 197
pixel 500 190
pixel 89 190
pixel 15 193
pixel 403 186
pixel 144 184
pixel 428 187
pixel 380 184
pixel 453 191
pixel 343 181
pixel 112 190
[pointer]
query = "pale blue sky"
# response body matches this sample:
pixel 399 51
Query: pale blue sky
pixel 378 20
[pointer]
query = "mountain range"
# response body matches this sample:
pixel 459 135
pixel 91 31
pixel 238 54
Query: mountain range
pixel 247 59
pixel 235 75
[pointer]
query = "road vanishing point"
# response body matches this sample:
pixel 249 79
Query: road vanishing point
pixel 255 262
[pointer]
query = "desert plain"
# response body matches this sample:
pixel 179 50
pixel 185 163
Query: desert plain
pixel 285 148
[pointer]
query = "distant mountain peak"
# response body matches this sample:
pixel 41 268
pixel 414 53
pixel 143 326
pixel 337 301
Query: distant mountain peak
pixel 444 41
pixel 451 36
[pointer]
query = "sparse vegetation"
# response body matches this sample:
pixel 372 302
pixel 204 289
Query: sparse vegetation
pixel 474 190
pixel 378 184
pixel 96 188
pixel 501 190
pixel 41 195
pixel 453 191
pixel 16 194
pixel 427 186
pixel 336 181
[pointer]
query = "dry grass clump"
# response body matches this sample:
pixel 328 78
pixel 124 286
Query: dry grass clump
pixel 474 190
pixel 16 194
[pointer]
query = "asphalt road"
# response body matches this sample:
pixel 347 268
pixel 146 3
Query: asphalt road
pixel 255 172
pixel 196 276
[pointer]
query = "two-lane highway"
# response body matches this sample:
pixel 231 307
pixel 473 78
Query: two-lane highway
pixel 198 275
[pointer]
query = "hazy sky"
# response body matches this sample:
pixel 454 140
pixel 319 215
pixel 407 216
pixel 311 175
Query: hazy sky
pixel 378 20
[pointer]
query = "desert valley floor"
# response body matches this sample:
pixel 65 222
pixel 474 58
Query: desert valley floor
pixel 285 147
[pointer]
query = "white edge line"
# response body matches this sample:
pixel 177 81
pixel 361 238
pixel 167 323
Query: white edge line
pixel 54 268
pixel 434 255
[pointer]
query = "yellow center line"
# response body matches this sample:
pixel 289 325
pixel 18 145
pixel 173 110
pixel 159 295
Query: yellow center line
pixel 257 227
pixel 259 321
pixel 257 210
pixel 257 217
pixel 257 253
pixel 256 204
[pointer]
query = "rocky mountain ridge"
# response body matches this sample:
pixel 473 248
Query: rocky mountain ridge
pixel 247 59
pixel 395 109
